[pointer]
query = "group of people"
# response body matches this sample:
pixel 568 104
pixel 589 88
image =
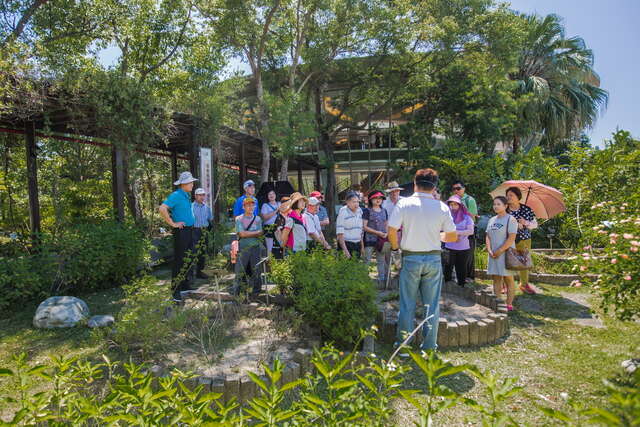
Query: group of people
pixel 435 238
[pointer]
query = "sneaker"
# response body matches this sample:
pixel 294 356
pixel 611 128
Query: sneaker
pixel 509 308
pixel 527 289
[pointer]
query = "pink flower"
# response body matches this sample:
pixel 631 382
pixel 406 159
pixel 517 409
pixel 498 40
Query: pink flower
pixel 613 235
pixel 576 283
pixel 627 277
pixel 583 268
pixel 635 243
pixel 614 261
pixel 628 236
pixel 633 249
pixel 586 248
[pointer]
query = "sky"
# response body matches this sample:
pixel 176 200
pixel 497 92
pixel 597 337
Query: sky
pixel 611 28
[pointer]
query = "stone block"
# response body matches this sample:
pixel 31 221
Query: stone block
pixel 482 332
pixel 205 382
pixel 389 330
pixel 496 318
pixel 502 308
pixel 247 389
pixel 217 386
pixel 491 330
pixel 463 333
pixel 295 370
pixel 443 341
pixel 452 334
pixel 477 297
pixel 231 387
pixel 369 344
pixel 473 330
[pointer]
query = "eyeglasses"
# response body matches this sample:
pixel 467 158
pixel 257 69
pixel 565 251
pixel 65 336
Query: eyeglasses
pixel 457 188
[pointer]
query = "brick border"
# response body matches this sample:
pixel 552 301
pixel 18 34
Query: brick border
pixel 461 333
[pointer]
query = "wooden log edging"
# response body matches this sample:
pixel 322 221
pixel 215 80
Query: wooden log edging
pixel 461 333
pixel 552 279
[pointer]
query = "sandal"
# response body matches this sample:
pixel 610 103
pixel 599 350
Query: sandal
pixel 509 308
pixel 527 289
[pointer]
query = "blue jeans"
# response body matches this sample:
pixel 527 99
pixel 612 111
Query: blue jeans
pixel 420 274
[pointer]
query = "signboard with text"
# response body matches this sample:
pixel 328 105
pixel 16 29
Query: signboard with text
pixel 206 174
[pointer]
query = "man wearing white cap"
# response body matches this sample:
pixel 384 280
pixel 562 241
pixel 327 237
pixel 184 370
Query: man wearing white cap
pixel 315 237
pixel 176 211
pixel 393 191
pixel 249 190
pixel 202 215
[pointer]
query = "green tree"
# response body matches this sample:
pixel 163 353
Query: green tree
pixel 557 87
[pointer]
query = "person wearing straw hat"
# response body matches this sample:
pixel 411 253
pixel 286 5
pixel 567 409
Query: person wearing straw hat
pixel 249 231
pixel 393 192
pixel 426 222
pixel 177 213
pixel 294 232
pixel 249 190
pixel 203 217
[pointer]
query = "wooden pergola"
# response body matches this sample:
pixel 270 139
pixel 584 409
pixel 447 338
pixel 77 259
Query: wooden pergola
pixel 56 121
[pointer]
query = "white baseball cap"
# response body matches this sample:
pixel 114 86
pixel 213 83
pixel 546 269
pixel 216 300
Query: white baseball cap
pixel 313 201
pixel 248 183
pixel 185 178
pixel 200 191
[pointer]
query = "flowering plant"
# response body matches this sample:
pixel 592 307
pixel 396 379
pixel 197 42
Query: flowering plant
pixel 614 271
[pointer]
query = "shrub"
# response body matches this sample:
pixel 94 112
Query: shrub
pixel 25 277
pixel 333 293
pixel 617 266
pixel 99 256
pixel 145 322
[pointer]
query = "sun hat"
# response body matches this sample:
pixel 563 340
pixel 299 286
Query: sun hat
pixel 313 201
pixel 248 200
pixel 393 186
pixel 248 183
pixel 185 178
pixel 462 210
pixel 200 191
pixel 294 198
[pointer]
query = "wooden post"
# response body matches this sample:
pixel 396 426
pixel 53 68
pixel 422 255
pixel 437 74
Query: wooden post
pixel 243 166
pixel 32 178
pixel 117 181
pixel 300 183
pixel 174 166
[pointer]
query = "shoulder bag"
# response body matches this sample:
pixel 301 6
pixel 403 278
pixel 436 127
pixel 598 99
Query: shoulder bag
pixel 517 260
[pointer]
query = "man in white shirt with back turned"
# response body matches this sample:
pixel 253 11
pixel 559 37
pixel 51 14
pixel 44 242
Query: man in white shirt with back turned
pixel 425 222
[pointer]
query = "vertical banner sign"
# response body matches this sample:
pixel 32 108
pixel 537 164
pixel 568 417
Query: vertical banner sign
pixel 206 174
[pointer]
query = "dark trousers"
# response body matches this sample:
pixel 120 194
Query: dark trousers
pixel 247 261
pixel 183 246
pixel 457 259
pixel 354 248
pixel 471 259
pixel 199 238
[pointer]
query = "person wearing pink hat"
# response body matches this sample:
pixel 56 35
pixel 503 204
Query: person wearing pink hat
pixel 460 249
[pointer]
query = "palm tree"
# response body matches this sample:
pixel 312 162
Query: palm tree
pixel 556 85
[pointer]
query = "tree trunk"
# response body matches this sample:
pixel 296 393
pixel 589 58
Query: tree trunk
pixel 324 140
pixel 130 192
pixel 263 125
pixel 516 143
pixel 284 169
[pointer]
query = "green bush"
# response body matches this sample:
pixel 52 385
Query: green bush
pixel 85 258
pixel 333 293
pixel 146 321
pixel 99 256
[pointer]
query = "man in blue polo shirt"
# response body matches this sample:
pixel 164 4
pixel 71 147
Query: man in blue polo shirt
pixel 249 191
pixel 176 211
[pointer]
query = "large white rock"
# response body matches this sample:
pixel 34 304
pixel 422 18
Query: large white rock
pixel 60 312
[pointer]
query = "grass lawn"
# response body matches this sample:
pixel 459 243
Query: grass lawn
pixel 546 351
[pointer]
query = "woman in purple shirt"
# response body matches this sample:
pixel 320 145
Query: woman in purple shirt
pixel 460 249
